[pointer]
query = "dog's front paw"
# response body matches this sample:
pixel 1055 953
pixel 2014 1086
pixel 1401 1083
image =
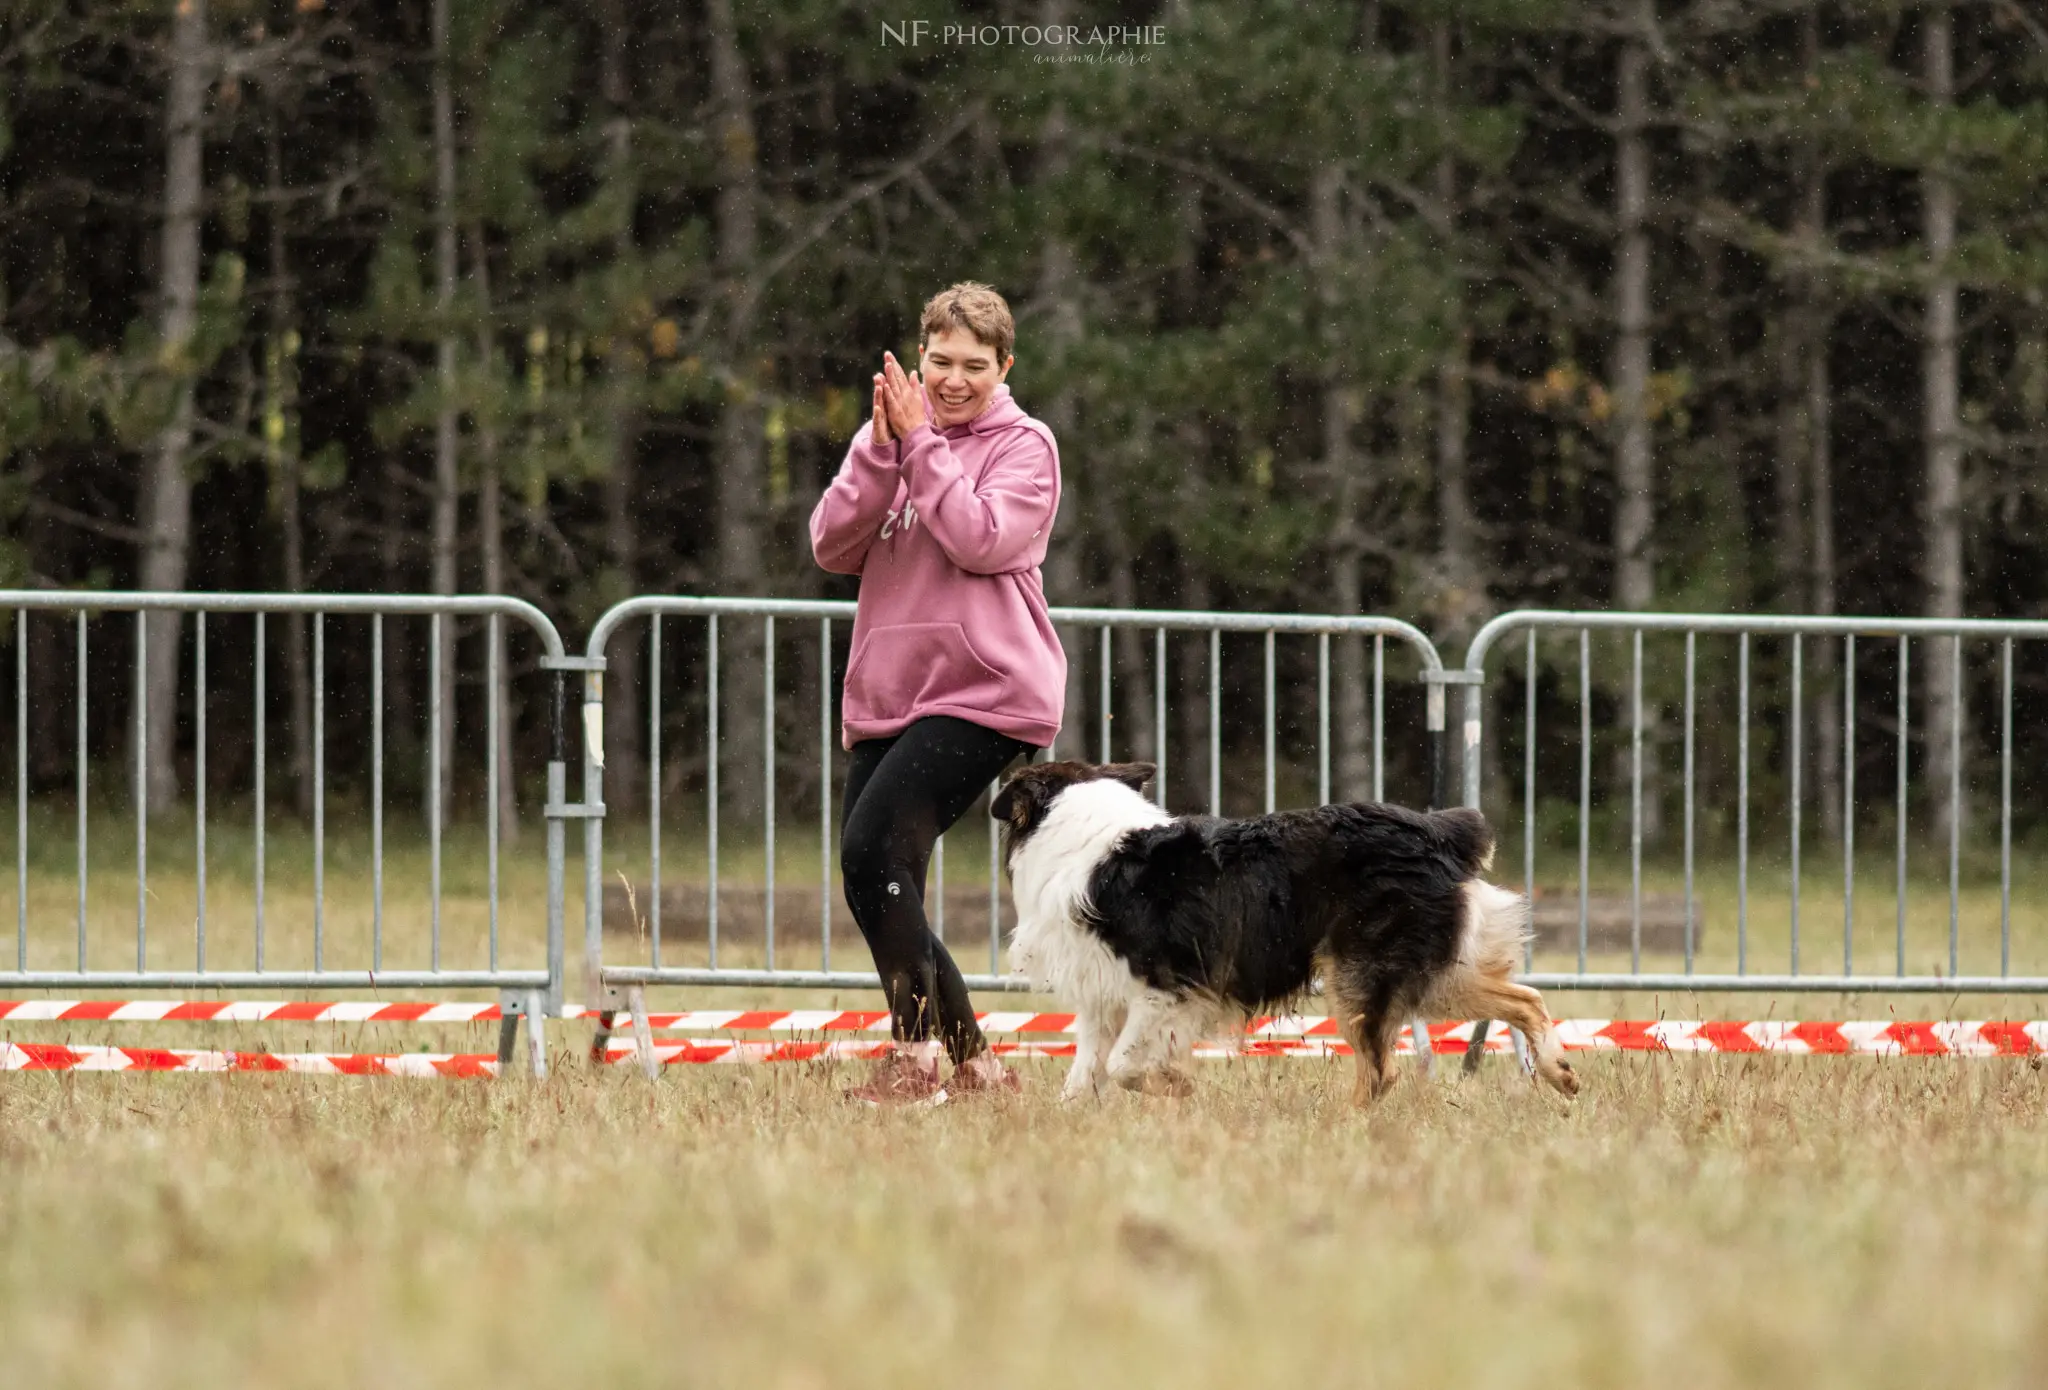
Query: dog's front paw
pixel 1564 1078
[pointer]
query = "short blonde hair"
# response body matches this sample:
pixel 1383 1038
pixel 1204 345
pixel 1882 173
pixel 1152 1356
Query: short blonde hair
pixel 976 308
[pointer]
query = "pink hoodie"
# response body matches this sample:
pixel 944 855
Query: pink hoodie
pixel 946 531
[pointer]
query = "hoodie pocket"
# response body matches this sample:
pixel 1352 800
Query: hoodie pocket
pixel 910 667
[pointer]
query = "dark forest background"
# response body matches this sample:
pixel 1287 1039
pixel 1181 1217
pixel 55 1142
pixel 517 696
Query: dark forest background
pixel 1426 309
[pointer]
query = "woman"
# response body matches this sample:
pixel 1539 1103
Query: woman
pixel 943 508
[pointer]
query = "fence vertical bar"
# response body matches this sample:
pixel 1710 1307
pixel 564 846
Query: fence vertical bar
pixel 199 779
pixel 539 1002
pixel 1795 714
pixel 1849 804
pixel 1107 714
pixel 21 789
pixel 1691 654
pixel 596 994
pixel 1585 776
pixel 81 711
pixel 654 783
pixel 434 659
pixel 320 794
pixel 262 726
pixel 1529 788
pixel 825 799
pixel 1322 719
pixel 2005 812
pixel 1635 829
pixel 142 790
pixel 1379 717
pixel 768 781
pixel 1159 713
pixel 1955 799
pixel 1899 863
pixel 1215 721
pixel 377 791
pixel 1269 722
pixel 711 785
pixel 493 636
pixel 1742 808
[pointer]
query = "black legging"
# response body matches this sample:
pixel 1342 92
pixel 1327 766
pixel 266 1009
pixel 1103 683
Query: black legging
pixel 901 794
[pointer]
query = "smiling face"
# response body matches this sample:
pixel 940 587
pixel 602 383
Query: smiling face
pixel 961 374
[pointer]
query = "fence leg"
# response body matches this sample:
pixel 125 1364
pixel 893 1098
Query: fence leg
pixel 1477 1048
pixel 536 1038
pixel 601 1039
pixel 643 1033
pixel 510 1006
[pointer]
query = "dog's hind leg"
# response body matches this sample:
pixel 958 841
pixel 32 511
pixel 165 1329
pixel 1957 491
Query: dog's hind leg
pixel 1370 1025
pixel 1523 1007
pixel 1473 995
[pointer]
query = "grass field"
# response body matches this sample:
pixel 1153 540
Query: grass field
pixel 1704 1221
pixel 1716 1221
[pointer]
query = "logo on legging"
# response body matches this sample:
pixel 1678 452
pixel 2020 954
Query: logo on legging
pixel 895 890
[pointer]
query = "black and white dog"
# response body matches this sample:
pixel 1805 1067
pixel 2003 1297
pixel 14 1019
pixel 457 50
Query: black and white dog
pixel 1153 927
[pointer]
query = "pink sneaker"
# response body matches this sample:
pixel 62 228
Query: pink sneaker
pixel 985 1073
pixel 901 1078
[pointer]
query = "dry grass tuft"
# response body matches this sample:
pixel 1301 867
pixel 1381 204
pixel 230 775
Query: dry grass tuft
pixel 1720 1221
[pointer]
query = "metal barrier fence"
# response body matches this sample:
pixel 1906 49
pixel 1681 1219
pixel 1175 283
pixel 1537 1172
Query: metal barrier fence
pixel 1631 717
pixel 530 989
pixel 614 984
pixel 1905 645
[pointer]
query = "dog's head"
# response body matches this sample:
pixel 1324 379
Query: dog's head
pixel 1020 806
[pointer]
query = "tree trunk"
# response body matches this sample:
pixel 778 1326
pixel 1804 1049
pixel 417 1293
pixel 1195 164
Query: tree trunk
pixel 625 763
pixel 1943 517
pixel 1634 575
pixel 167 491
pixel 1065 582
pixel 447 484
pixel 1806 563
pixel 490 504
pixel 401 728
pixel 1059 302
pixel 281 453
pixel 1462 602
pixel 1350 695
pixel 1139 738
pixel 738 451
pixel 1188 789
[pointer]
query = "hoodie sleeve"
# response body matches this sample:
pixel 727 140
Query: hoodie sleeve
pixel 850 514
pixel 990 525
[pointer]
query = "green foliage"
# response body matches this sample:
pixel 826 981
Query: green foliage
pixel 1466 210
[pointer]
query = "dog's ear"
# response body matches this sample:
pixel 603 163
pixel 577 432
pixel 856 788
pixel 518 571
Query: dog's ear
pixel 1005 803
pixel 1019 801
pixel 1132 775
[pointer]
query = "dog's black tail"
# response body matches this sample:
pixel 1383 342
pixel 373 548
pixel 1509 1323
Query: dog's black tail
pixel 1467 835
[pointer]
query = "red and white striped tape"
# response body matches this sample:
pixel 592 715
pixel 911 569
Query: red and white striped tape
pixel 1780 1036
pixel 63 1057
pixel 238 1011
pixel 60 1057
pixel 1865 1039
pixel 1872 1039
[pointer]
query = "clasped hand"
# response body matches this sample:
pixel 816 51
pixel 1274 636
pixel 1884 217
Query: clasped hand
pixel 899 401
